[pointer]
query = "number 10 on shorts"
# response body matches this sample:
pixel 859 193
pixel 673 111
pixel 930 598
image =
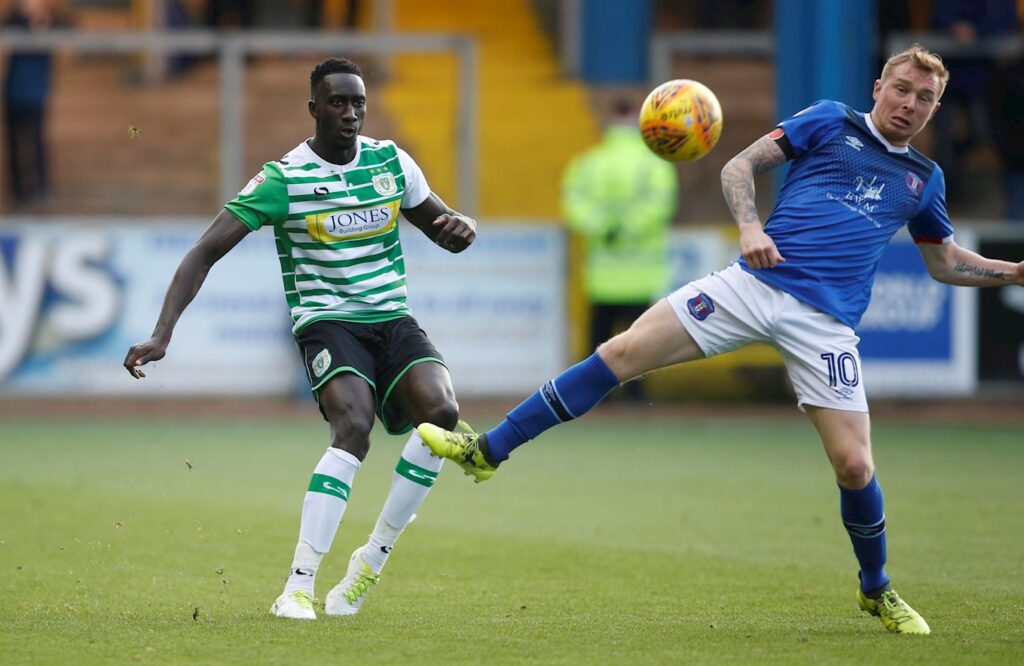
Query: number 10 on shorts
pixel 842 369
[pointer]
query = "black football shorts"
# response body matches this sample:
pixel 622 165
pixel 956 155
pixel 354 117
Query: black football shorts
pixel 379 352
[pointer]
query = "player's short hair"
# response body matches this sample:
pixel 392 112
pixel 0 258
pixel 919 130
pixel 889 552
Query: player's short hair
pixel 921 58
pixel 332 66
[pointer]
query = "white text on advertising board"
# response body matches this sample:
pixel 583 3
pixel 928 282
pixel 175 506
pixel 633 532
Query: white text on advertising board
pixel 54 290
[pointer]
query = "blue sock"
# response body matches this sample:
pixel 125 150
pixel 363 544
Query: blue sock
pixel 863 515
pixel 570 395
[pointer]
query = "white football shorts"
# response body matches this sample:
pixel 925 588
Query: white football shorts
pixel 731 308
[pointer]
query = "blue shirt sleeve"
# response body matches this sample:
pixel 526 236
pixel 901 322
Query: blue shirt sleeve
pixel 814 125
pixel 931 223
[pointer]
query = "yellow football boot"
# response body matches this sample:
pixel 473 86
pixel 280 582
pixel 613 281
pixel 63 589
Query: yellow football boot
pixel 463 448
pixel 896 614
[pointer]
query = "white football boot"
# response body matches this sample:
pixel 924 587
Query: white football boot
pixel 348 595
pixel 297 605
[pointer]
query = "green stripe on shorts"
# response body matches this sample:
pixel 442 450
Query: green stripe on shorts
pixel 415 473
pixel 328 485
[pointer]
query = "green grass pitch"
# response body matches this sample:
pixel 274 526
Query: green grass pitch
pixel 610 540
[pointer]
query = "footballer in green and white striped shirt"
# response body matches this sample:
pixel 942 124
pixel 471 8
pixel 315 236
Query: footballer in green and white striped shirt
pixel 336 227
pixel 333 203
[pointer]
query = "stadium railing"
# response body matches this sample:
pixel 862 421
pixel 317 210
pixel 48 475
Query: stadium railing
pixel 232 50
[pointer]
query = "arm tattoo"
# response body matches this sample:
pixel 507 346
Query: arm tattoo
pixel 738 177
pixel 977 271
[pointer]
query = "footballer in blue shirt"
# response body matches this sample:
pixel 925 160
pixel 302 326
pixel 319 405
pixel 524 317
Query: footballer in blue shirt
pixel 802 283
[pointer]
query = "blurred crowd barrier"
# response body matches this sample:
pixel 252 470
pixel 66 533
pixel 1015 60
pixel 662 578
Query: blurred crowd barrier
pixel 73 298
pixel 150 132
pixel 172 122
pixel 186 141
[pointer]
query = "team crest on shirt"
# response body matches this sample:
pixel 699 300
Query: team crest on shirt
pixel 700 306
pixel 913 183
pixel 321 362
pixel 384 183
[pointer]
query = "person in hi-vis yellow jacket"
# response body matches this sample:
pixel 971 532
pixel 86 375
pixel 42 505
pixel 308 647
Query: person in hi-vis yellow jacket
pixel 621 199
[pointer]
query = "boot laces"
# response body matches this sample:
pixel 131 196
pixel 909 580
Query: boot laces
pixel 465 439
pixel 361 586
pixel 303 599
pixel 897 610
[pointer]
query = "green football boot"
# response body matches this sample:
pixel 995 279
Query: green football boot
pixel 896 614
pixel 463 448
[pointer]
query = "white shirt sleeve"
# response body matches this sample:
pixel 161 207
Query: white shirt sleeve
pixel 416 188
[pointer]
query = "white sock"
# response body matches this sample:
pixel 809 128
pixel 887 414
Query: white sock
pixel 304 565
pixel 415 473
pixel 322 509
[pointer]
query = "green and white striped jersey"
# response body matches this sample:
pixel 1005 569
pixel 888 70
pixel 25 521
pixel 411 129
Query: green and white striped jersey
pixel 337 229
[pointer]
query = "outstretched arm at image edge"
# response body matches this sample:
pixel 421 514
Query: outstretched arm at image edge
pixel 952 264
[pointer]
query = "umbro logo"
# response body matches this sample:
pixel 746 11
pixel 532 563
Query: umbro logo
pixel 854 142
pixel 844 393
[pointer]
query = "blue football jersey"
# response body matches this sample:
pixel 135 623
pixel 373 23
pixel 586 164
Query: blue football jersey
pixel 847 192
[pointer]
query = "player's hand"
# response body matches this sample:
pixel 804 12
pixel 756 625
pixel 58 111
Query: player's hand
pixel 757 248
pixel 143 353
pixel 457 232
pixel 1020 273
